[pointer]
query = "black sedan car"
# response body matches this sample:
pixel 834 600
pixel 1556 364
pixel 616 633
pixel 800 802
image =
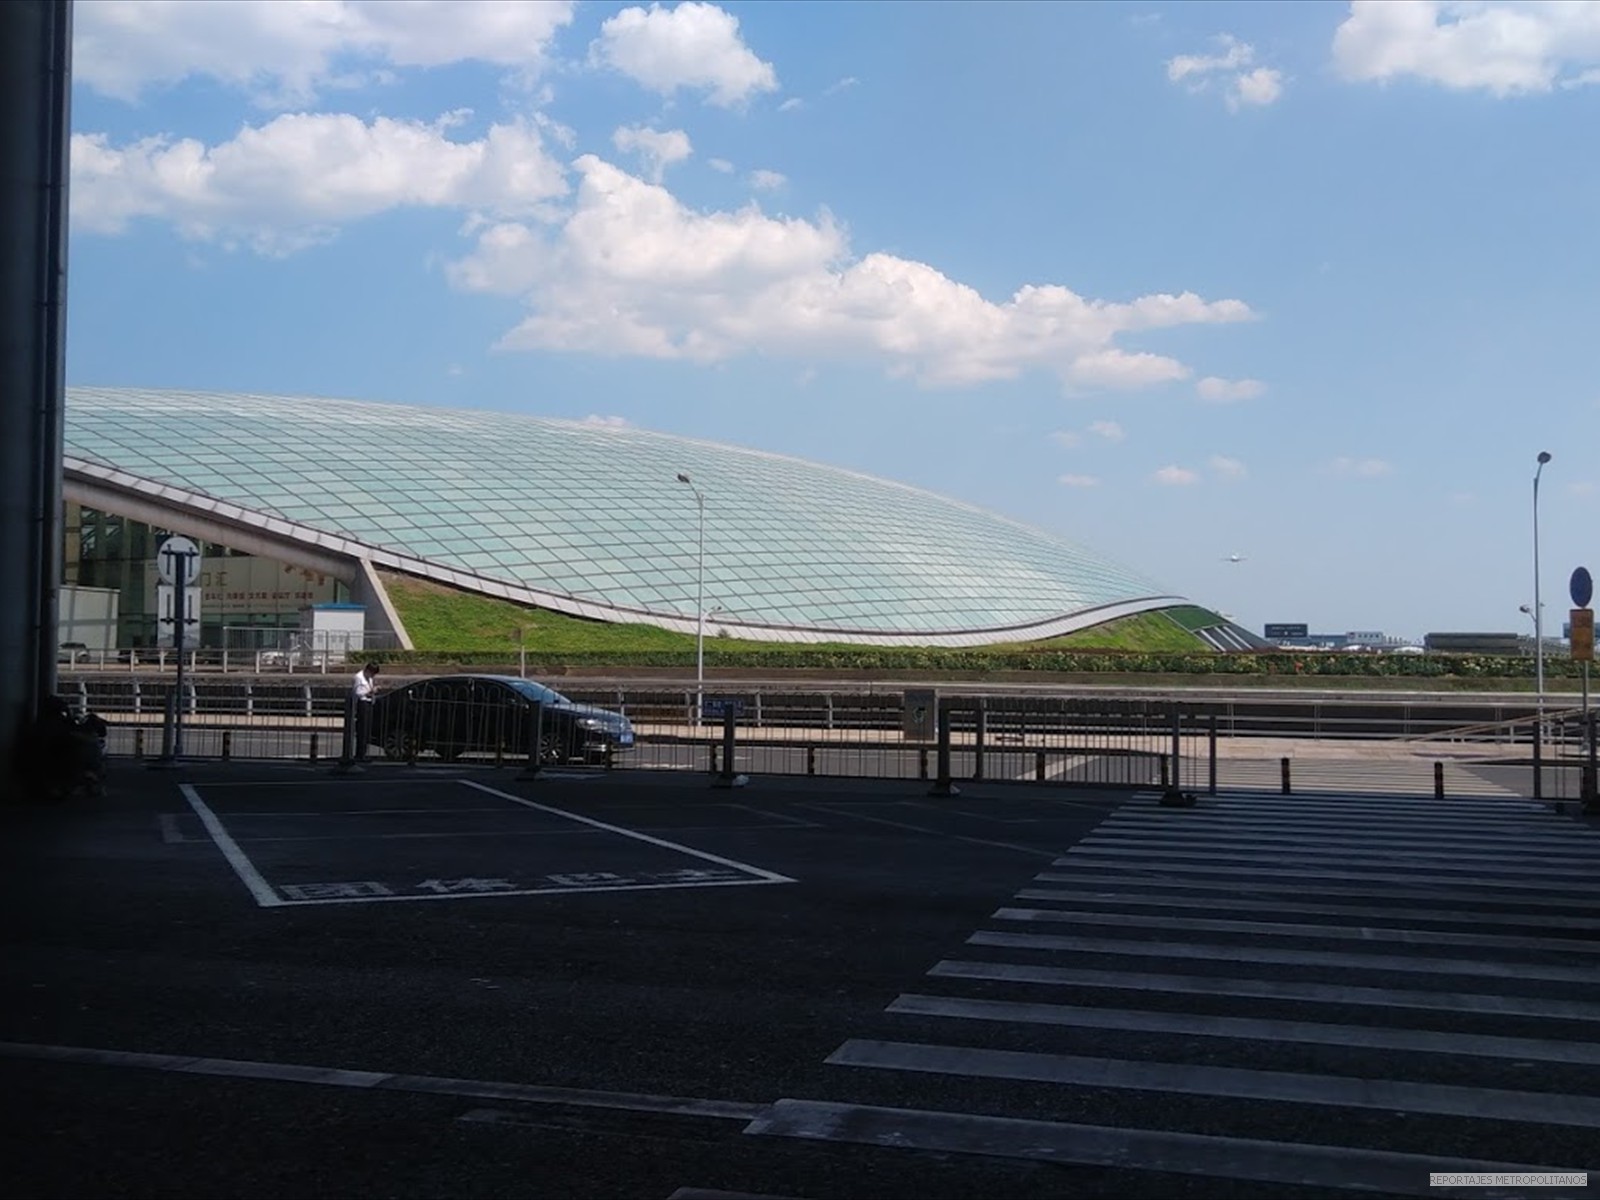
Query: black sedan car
pixel 453 715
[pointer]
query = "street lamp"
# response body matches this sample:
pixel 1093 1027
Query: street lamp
pixel 699 599
pixel 1538 607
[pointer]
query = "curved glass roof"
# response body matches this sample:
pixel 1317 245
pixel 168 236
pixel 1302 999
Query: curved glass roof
pixel 592 519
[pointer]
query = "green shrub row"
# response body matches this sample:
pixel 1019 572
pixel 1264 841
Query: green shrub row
pixel 1423 666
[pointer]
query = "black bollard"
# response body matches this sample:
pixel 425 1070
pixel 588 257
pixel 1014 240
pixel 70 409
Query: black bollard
pixel 944 785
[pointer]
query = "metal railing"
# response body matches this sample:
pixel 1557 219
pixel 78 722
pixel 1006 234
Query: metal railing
pixel 1126 744
pixel 245 650
pixel 1097 740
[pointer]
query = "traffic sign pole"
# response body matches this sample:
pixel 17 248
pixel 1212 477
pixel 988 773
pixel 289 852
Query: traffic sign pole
pixel 1582 643
pixel 178 564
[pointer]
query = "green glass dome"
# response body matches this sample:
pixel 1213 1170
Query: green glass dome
pixel 593 519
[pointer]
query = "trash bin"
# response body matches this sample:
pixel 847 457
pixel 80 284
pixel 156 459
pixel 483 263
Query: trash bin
pixel 920 721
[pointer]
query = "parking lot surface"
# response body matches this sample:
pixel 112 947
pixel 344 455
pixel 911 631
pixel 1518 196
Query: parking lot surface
pixel 263 981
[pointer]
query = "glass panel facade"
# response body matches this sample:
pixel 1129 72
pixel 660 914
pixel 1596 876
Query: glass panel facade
pixel 594 513
pixel 239 594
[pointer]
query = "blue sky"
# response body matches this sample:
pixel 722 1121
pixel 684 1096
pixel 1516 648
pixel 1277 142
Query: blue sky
pixel 1311 284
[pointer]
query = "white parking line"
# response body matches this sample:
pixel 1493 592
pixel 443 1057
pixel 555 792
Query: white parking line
pixel 378 892
pixel 760 872
pixel 481 1089
pixel 263 891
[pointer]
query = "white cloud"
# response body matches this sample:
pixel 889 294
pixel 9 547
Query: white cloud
pixel 284 52
pixel 294 181
pixel 455 370
pixel 840 85
pixel 1234 54
pixel 694 46
pixel 632 271
pixel 1257 88
pixel 1502 48
pixel 599 422
pixel 767 181
pixel 1227 468
pixel 1245 84
pixel 1581 488
pixel 658 148
pixel 1079 481
pixel 1177 476
pixel 1365 467
pixel 720 164
pixel 1226 391
pixel 1109 430
pixel 792 103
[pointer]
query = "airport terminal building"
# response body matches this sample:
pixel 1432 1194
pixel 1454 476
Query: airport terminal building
pixel 303 503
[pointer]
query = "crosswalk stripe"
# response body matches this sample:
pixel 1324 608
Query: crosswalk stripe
pixel 1312 857
pixel 1389 812
pixel 1386 1172
pixel 1368 1037
pixel 1316 780
pixel 1366 934
pixel 1475 834
pixel 1131 877
pixel 1206 825
pixel 1312 784
pixel 1400 807
pixel 1142 948
pixel 1236 872
pixel 1275 848
pixel 1272 989
pixel 1329 807
pixel 1230 903
pixel 1345 1091
pixel 1450 894
pixel 1354 839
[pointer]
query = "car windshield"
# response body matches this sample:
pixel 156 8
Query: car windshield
pixel 537 692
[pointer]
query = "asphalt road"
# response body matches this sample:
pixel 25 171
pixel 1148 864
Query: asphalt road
pixel 274 980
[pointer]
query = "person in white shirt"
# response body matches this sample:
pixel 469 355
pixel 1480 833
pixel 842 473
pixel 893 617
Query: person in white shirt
pixel 364 688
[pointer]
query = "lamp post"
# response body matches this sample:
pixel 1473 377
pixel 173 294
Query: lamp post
pixel 1538 607
pixel 699 599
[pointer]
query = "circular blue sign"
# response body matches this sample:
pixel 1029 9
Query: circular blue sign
pixel 1582 587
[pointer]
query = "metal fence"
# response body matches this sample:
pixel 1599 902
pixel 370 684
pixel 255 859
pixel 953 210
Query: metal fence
pixel 244 650
pixel 910 734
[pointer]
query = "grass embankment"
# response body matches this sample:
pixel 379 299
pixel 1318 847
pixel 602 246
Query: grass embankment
pixel 442 620
pixel 1150 650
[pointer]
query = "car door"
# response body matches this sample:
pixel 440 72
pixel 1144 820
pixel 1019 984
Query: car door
pixel 448 721
pixel 494 717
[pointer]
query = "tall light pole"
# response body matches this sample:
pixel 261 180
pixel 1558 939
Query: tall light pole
pixel 1538 607
pixel 700 599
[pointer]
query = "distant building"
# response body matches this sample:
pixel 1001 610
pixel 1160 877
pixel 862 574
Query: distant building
pixel 1490 643
pixel 1291 636
pixel 1478 643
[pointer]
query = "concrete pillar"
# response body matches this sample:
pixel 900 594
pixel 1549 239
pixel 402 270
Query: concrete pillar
pixel 35 68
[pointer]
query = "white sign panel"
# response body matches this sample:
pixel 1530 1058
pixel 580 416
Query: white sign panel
pixel 173 552
pixel 166 627
pixel 238 586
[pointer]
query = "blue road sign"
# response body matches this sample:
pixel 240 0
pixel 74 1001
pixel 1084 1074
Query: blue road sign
pixel 1582 587
pixel 721 706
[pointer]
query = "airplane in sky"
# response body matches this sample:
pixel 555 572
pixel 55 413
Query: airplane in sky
pixel 1234 558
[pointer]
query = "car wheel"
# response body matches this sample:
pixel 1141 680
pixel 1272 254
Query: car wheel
pixel 400 745
pixel 551 752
